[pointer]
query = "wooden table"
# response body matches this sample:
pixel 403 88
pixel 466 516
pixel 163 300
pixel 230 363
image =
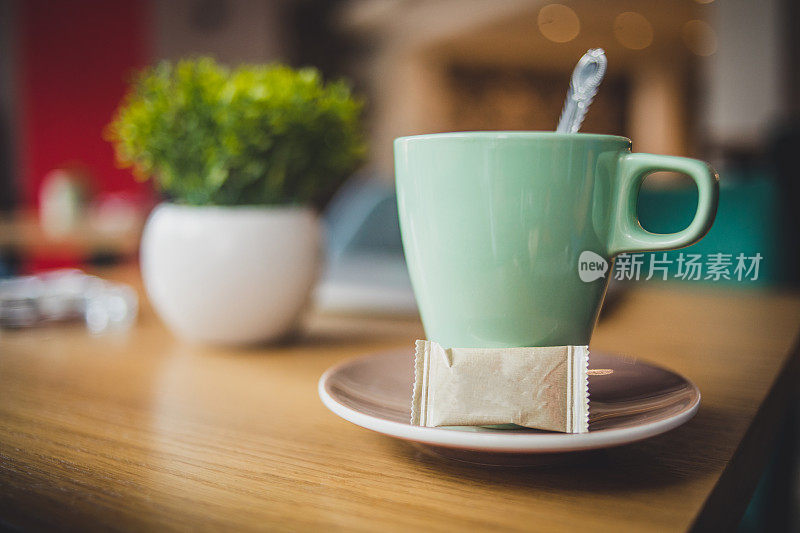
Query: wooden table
pixel 140 431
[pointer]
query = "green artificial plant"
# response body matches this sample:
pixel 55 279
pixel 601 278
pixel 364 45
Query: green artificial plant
pixel 253 135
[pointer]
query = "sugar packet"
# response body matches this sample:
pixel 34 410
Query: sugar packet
pixel 537 387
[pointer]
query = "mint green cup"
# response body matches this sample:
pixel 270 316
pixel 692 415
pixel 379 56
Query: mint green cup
pixel 510 236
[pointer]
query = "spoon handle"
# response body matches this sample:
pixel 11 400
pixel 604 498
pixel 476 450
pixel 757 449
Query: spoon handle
pixel 583 87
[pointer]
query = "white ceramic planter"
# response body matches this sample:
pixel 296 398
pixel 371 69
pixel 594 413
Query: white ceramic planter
pixel 230 275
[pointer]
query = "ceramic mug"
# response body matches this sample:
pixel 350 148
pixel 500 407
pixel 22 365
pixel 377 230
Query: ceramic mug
pixel 510 236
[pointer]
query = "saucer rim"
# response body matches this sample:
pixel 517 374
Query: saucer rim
pixel 504 442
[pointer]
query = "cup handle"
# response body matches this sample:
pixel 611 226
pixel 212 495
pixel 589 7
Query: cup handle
pixel 627 234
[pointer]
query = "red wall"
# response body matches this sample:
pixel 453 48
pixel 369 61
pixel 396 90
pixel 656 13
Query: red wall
pixel 75 58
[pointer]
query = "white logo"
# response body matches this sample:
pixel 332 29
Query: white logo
pixel 591 266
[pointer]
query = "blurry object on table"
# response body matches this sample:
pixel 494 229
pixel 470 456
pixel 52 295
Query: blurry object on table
pixel 119 213
pixel 244 156
pixel 73 229
pixel 62 201
pixel 366 269
pixel 67 296
pixel 67 207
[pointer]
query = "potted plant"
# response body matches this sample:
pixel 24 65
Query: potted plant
pixel 243 156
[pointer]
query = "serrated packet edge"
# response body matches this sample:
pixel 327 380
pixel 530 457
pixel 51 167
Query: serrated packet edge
pixel 579 406
pixel 419 395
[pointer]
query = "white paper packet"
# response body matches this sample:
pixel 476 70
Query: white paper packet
pixel 543 388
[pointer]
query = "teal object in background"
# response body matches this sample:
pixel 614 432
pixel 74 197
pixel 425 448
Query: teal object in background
pixel 746 223
pixel 494 225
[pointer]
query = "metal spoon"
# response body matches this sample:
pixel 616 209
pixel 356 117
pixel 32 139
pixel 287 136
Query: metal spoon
pixel 583 86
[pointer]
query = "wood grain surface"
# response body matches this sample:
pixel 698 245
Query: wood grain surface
pixel 140 431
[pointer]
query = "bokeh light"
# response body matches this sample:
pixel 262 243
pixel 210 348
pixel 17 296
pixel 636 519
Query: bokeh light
pixel 633 30
pixel 699 37
pixel 558 23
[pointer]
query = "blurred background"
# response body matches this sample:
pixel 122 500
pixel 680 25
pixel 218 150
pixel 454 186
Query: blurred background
pixel 701 78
